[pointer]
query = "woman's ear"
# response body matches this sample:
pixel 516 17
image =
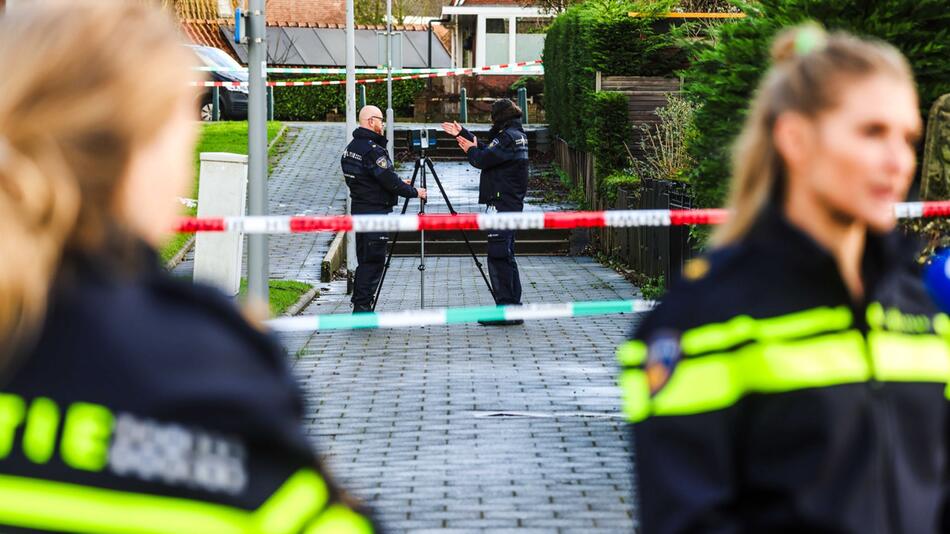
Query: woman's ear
pixel 793 136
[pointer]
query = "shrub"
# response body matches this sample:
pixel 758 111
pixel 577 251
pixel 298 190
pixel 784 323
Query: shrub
pixel 616 181
pixel 534 85
pixel 314 102
pixel 665 144
pixel 608 131
pixel 726 69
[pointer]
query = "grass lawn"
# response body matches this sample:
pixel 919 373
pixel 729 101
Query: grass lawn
pixel 283 294
pixel 225 136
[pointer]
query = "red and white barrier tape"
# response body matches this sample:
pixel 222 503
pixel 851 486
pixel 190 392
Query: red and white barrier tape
pixel 377 70
pixel 271 224
pixel 441 74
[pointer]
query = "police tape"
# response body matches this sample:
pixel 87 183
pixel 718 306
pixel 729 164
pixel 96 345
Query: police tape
pixel 275 224
pixel 379 70
pixel 447 316
pixel 315 83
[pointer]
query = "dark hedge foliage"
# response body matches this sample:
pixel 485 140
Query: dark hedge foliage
pixel 727 67
pixel 599 35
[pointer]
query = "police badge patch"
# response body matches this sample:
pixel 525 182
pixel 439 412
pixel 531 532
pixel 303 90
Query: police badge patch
pixel 663 353
pixel 383 162
pixel 494 142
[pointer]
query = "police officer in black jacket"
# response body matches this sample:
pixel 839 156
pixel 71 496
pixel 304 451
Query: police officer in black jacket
pixel 796 380
pixel 374 188
pixel 130 400
pixel 502 187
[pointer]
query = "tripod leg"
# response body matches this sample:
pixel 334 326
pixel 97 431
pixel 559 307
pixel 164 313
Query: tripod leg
pixel 468 244
pixel 392 246
pixel 422 245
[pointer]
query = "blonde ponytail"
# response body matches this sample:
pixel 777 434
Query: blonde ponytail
pixel 38 210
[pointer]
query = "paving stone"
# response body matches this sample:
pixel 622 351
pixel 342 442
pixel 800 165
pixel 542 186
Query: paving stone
pixel 399 416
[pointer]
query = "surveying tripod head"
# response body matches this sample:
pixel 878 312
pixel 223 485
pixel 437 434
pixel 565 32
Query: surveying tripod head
pixel 422 139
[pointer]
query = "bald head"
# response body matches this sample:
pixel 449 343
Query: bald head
pixel 367 116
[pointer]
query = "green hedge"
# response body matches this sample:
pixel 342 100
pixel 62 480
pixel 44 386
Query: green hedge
pixel 609 129
pixel 615 181
pixel 314 102
pixel 599 35
pixel 727 68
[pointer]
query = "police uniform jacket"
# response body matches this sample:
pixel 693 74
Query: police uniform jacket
pixel 149 404
pixel 504 164
pixel 766 400
pixel 369 174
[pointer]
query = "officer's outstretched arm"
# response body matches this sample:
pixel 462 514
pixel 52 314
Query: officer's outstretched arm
pixel 497 152
pixel 382 169
pixel 683 454
pixel 471 137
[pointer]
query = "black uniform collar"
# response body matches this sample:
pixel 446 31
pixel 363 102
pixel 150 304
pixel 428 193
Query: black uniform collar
pixel 138 261
pixel 775 236
pixel 366 133
pixel 498 128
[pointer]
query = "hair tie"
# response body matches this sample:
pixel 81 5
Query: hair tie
pixel 811 38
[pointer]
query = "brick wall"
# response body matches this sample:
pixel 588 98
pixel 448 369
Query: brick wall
pixel 306 11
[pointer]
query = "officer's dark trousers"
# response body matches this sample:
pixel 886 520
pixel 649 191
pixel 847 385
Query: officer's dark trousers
pixel 502 267
pixel 370 258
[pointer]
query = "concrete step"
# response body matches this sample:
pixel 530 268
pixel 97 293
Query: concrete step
pixel 534 242
pixel 458 248
pixel 482 235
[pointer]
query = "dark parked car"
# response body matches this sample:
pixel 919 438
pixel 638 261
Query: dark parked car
pixel 232 100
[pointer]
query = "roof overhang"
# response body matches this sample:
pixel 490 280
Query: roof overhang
pixel 495 11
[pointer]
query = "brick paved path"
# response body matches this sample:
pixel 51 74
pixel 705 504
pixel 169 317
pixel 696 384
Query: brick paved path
pixel 469 428
pixel 458 428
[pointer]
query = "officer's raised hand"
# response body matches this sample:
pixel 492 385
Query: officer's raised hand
pixel 452 128
pixel 465 144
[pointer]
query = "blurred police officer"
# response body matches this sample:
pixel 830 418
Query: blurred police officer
pixel 130 400
pixel 503 161
pixel 374 187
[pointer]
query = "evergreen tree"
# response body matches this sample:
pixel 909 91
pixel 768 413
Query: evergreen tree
pixel 727 67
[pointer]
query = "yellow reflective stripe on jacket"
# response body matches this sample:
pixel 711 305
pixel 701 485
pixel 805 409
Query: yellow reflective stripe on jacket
pixel 60 506
pixel 632 353
pixel 339 520
pixel 636 395
pixel 908 357
pixel 288 509
pixel 719 337
pixel 700 385
pixel 815 362
pixel 717 381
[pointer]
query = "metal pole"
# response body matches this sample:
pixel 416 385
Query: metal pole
pixel 389 79
pixel 270 103
pixel 523 103
pixel 463 105
pixel 362 95
pixel 422 237
pixel 257 253
pixel 215 104
pixel 350 126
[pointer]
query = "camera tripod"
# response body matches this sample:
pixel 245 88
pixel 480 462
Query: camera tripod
pixel 422 163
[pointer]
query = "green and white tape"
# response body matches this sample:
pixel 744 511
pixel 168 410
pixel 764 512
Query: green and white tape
pixel 443 316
